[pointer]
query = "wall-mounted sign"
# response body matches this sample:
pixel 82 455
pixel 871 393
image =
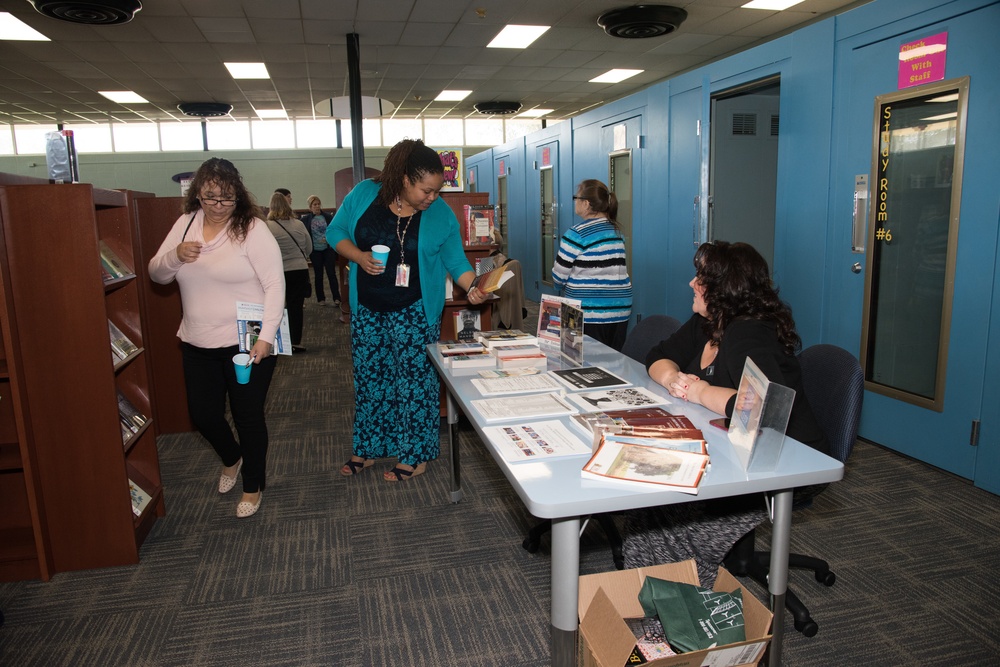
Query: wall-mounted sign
pixel 923 61
pixel 546 156
pixel 451 160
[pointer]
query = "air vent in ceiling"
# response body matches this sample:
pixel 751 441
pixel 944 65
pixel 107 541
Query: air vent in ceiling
pixel 205 109
pixel 498 108
pixel 99 12
pixel 639 21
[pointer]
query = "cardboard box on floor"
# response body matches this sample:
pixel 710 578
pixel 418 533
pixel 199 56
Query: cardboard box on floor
pixel 608 598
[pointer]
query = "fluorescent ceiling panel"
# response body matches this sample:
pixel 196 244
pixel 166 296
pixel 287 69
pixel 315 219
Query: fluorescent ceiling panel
pixel 248 70
pixel 124 96
pixel 774 5
pixel 15 29
pixel 452 95
pixel 616 75
pixel 517 36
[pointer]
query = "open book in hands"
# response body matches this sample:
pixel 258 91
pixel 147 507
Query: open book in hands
pixel 493 280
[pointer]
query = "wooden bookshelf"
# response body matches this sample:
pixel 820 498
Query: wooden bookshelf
pixel 63 468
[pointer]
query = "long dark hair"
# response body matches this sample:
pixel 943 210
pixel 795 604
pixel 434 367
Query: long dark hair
pixel 601 199
pixel 410 158
pixel 737 285
pixel 225 175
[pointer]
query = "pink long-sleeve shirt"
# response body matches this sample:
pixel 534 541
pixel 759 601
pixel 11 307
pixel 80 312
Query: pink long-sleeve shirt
pixel 224 273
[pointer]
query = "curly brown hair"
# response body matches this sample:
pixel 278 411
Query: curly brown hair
pixel 222 173
pixel 409 158
pixel 738 285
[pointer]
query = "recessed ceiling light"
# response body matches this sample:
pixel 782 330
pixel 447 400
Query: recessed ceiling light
pixel 271 113
pixel 248 70
pixel 452 95
pixel 124 96
pixel 534 113
pixel 774 5
pixel 616 75
pixel 15 29
pixel 517 36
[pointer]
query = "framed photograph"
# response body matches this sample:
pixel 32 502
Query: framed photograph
pixel 451 160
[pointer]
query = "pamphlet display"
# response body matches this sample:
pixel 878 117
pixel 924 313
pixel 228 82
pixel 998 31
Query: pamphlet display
pixel 571 333
pixel 550 317
pixel 760 417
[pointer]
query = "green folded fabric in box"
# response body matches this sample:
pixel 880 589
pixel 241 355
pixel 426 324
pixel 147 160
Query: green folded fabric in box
pixel 693 617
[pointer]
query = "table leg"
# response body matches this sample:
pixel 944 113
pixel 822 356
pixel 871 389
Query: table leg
pixel 565 590
pixel 777 577
pixel 456 471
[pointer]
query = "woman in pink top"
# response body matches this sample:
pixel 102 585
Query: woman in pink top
pixel 220 252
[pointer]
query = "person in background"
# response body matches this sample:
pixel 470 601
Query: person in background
pixel 737 315
pixel 220 252
pixel 590 265
pixel 286 193
pixel 397 306
pixel 323 257
pixel 295 244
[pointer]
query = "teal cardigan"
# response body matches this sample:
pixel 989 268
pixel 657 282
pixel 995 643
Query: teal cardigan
pixel 439 245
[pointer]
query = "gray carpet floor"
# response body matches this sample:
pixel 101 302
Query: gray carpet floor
pixel 336 571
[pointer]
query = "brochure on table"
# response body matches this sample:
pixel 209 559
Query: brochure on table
pixel 520 384
pixel 521 407
pixel 760 417
pixel 621 398
pixel 533 442
pixel 588 377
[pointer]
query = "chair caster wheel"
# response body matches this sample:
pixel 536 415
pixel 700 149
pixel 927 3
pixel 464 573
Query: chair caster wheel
pixel 808 628
pixel 530 545
pixel 828 579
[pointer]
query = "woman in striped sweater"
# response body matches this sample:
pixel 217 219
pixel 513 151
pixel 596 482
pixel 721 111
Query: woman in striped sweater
pixel 591 267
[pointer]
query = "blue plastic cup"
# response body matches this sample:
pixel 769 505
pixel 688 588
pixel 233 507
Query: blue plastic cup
pixel 380 253
pixel 243 367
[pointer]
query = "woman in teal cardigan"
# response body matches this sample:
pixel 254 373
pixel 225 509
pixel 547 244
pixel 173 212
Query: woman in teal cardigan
pixel 396 306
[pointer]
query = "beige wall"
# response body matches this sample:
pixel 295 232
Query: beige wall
pixel 303 171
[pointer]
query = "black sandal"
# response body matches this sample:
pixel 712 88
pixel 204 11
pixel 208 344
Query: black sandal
pixel 356 466
pixel 402 474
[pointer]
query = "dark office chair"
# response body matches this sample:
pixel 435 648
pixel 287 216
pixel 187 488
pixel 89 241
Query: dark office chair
pixel 834 386
pixel 647 333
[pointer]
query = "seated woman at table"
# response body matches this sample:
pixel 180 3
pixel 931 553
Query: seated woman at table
pixel 737 314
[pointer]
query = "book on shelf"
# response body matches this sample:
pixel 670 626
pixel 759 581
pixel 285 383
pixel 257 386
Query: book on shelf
pixel 550 316
pixel 480 360
pixel 450 348
pixel 533 442
pixel 140 499
pixel 525 406
pixel 539 361
pixel 520 384
pixel 131 417
pixel 653 421
pixel 491 281
pixel 468 323
pixel 505 337
pixel 631 461
pixel 588 377
pixel 477 228
pixel 250 320
pixel 622 398
pixel 121 346
pixel 112 263
pixel 571 332
pixel 515 350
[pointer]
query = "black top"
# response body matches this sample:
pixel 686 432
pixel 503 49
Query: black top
pixel 378 226
pixel 757 339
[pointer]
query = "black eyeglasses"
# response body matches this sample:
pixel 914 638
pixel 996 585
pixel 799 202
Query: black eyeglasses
pixel 580 198
pixel 213 202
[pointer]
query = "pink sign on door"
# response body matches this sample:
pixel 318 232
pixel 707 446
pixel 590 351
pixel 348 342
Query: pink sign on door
pixel 923 61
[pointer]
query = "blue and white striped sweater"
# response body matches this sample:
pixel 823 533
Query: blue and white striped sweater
pixel 590 266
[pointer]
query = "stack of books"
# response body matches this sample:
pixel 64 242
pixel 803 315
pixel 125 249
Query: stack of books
pixel 466 354
pixel 519 355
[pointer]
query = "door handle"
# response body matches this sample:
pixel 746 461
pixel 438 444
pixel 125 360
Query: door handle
pixel 856 268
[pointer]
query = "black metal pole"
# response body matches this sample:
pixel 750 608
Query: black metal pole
pixel 354 87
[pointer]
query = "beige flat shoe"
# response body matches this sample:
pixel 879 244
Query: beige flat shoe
pixel 226 483
pixel 246 509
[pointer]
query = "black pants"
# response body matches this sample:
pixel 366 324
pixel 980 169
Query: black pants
pixel 296 283
pixel 325 259
pixel 612 335
pixel 210 377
